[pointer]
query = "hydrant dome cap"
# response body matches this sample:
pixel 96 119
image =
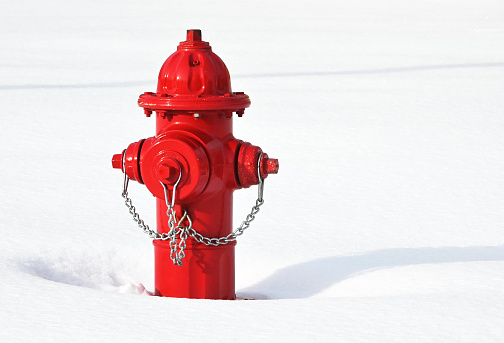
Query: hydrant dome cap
pixel 194 78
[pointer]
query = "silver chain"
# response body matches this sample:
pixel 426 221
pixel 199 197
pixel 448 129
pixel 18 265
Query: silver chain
pixel 183 232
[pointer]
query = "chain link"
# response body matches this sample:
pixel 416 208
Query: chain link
pixel 183 232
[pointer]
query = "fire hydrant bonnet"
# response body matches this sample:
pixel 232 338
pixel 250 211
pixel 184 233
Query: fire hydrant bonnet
pixel 194 79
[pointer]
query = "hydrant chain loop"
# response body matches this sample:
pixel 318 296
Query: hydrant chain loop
pixel 175 256
pixel 165 188
pixel 261 180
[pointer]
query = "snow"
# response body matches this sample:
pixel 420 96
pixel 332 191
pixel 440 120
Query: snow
pixel 384 224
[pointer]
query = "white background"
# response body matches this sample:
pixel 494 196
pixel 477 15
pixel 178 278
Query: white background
pixel 384 224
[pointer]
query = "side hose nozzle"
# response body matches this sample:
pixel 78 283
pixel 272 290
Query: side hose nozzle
pixel 128 161
pixel 248 160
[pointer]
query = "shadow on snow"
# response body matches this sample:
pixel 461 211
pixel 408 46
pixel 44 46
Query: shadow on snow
pixel 309 278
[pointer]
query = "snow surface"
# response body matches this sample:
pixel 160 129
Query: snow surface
pixel 384 224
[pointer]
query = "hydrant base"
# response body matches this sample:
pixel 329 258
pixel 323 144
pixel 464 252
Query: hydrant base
pixel 207 272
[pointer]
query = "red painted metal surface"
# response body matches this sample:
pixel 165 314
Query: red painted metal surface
pixel 194 106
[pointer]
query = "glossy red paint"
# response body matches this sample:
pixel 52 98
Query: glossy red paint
pixel 194 106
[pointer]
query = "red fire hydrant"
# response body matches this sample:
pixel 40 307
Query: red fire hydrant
pixel 192 166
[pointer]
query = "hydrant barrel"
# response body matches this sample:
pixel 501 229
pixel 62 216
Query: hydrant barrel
pixel 192 165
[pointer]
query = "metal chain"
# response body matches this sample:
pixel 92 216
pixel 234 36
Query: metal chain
pixel 136 217
pixel 183 232
pixel 232 236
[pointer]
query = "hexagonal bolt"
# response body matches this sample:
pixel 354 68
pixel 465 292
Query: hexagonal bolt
pixel 117 161
pixel 272 166
pixel 168 171
pixel 165 171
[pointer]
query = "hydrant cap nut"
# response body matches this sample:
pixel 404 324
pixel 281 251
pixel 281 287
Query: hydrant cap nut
pixel 117 161
pixel 272 166
pixel 168 171
pixel 268 166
